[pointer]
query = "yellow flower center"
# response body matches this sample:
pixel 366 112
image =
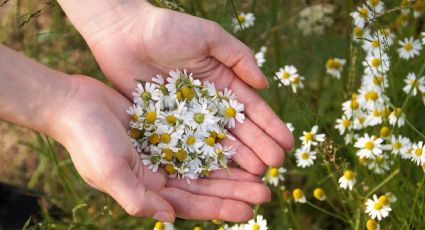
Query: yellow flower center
pixel 274 172
pixel 168 154
pixel 364 12
pixel 221 135
pixel 385 131
pixel 414 83
pixel 397 145
pixel 319 194
pixel 210 141
pixel 135 133
pixel 187 92
pixel 230 112
pixel 378 79
pixel 159 225
pixel 285 75
pixel 354 104
pixel 169 168
pixel 375 43
pixel 255 226
pixel 418 151
pixel 375 62
pixel 371 95
pixel 371 225
pixel 408 46
pixel 386 112
pixel 171 119
pixel 346 123
pixel 297 194
pixel 348 175
pixel 150 117
pixel 134 117
pixel 165 138
pixel 333 64
pixel 374 2
pixel 309 136
pixel 305 155
pixel 190 140
pixel 181 155
pixel 369 145
pixel 358 32
pixel 241 19
pixel 154 139
pixel 296 80
pixel 145 96
pixel 377 206
pixel 384 200
pixel 376 113
pixel 179 95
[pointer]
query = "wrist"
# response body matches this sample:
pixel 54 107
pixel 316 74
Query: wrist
pixel 92 17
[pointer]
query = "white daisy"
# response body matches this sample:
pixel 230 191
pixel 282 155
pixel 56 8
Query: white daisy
pixel 376 5
pixel 416 84
pixel 418 153
pixel 145 93
pixel 285 74
pixel 409 48
pixel 297 82
pixel 312 137
pixel 347 180
pixel 232 112
pixel 290 127
pixel 305 157
pixel 361 16
pixel 334 67
pixel 399 145
pixel 377 209
pixel 343 124
pixel 397 117
pixel 274 175
pixel 258 223
pixel 243 21
pixel 376 63
pixel 299 196
pixel 369 146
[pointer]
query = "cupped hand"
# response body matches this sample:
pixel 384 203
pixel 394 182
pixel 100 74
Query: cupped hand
pixel 151 40
pixel 93 128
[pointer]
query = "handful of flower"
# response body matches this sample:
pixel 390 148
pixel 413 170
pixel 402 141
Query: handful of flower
pixel 177 123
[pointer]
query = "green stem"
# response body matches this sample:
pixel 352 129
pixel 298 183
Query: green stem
pixel 327 212
pixel 391 176
pixel 414 202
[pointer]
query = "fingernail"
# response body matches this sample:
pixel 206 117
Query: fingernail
pixel 164 216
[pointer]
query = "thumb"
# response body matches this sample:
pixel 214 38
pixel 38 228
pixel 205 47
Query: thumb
pixel 234 54
pixel 130 192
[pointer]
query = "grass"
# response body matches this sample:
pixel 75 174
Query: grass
pixel 41 30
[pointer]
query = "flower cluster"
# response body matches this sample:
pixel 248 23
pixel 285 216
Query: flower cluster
pixel 315 19
pixel 177 123
pixel 288 76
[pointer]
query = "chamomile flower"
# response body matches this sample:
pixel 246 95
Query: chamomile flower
pixel 387 36
pixel 243 21
pixel 151 161
pixel 258 223
pixel 418 153
pixel 159 225
pixel 409 48
pixel 347 180
pixel 359 33
pixel 372 225
pixel 414 84
pixel 361 16
pixel 305 157
pixel 379 165
pixel 378 208
pixel 285 74
pixel 136 113
pixel 233 111
pixel 299 196
pixel 297 82
pixel 319 194
pixel 260 56
pixel 376 63
pixel 145 93
pixel 399 145
pixel 343 124
pixel 376 5
pixel 274 175
pixel 369 146
pixel 312 137
pixel 334 67
pixel 397 117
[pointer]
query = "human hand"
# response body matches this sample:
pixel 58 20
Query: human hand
pixel 135 40
pixel 92 124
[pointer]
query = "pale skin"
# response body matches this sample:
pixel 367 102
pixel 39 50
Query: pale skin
pixel 133 40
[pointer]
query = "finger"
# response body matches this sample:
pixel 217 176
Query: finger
pixel 249 192
pixel 128 190
pixel 245 157
pixel 255 107
pixel 191 206
pixel 234 54
pixel 235 174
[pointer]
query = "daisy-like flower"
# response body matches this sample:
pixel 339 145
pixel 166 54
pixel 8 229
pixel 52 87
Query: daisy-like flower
pixel 351 107
pixel 379 165
pixel 299 196
pixel 243 21
pixel 274 175
pixel 376 83
pixel 347 180
pixel 260 56
pixel 413 84
pixel 409 48
pixel 378 208
pixel 376 63
pixel 285 74
pixel 334 67
pixel 369 146
pixel 418 153
pixel 397 117
pixel 372 43
pixel 319 194
pixel 305 157
pixel 372 225
pixel 145 93
pixel 159 225
pixel 376 5
pixel 233 111
pixel 387 35
pixel 359 33
pixel 361 16
pixel 343 124
pixel 399 145
pixel 312 137
pixel 258 223
pixel 136 113
pixel 151 161
pixel 297 82
pixel 369 98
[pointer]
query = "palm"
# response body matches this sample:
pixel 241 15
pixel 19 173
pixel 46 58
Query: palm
pixel 102 153
pixel 168 40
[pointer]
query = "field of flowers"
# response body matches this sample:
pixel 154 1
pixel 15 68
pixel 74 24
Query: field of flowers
pixel 347 77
